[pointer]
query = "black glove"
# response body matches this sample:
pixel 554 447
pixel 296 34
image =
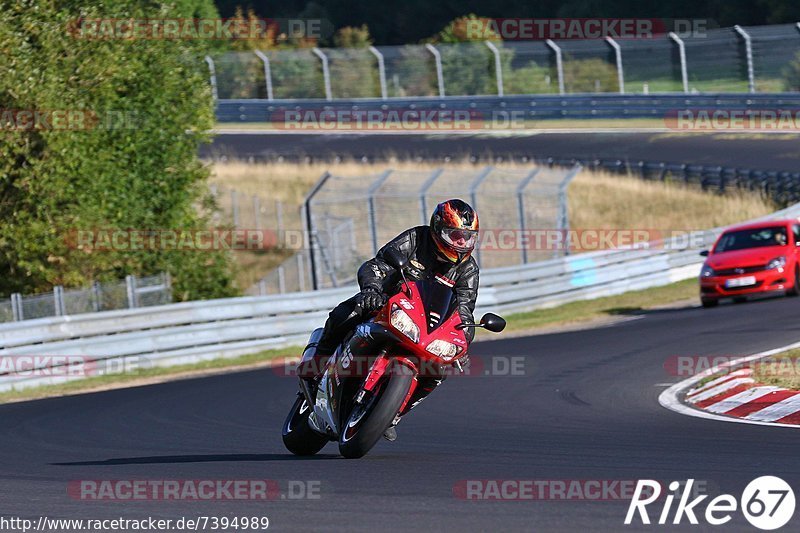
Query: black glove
pixel 371 300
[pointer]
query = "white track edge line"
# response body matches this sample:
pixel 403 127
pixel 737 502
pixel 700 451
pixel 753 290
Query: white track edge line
pixel 669 398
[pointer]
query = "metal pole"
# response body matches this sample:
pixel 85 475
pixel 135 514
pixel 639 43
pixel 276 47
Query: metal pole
pixel 618 55
pixel 371 203
pixel 130 286
pixel 256 212
pixel 235 207
pixel 97 296
pixel 473 196
pixel 281 280
pixel 559 64
pixel 563 218
pixel 748 51
pixel 310 228
pixel 16 307
pixel 682 53
pixel 437 57
pixel 326 73
pixel 267 73
pixel 213 78
pixel 498 67
pixel 58 300
pixel 424 190
pixel 279 216
pixel 381 70
pixel 521 207
pixel 301 272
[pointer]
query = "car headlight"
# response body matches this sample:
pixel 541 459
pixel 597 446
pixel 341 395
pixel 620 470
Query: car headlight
pixel 707 272
pixel 445 350
pixel 403 323
pixel 777 263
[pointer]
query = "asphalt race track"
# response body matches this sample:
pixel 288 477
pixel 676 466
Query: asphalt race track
pixel 585 409
pixel 764 151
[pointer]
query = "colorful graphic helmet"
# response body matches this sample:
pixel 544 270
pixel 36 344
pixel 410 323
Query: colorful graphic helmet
pixel 454 227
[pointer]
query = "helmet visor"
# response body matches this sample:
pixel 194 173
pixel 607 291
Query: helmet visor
pixel 462 240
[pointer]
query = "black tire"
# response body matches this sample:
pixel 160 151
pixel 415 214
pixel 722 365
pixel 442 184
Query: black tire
pixel 740 299
pixel 795 290
pixel 376 414
pixel 298 437
pixel 707 303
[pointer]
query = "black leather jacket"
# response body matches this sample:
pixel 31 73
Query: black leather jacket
pixel 417 245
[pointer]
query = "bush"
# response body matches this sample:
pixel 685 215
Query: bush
pixel 589 76
pixel 141 172
pixel 791 75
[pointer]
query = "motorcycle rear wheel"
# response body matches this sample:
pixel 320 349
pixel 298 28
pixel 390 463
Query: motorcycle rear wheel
pixel 369 420
pixel 298 437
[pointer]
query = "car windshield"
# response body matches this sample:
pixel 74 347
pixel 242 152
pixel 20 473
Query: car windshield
pixel 752 238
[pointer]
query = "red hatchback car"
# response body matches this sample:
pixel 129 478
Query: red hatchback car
pixel 752 259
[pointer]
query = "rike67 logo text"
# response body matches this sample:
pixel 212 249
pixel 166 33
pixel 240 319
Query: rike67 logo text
pixel 767 503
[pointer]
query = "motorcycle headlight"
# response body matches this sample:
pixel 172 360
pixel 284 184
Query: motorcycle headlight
pixel 445 350
pixel 707 272
pixel 777 263
pixel 403 323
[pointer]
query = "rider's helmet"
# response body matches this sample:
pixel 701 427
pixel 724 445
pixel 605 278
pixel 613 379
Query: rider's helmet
pixel 454 228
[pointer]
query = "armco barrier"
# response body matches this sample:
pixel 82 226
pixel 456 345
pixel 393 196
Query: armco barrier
pixel 195 331
pixel 537 107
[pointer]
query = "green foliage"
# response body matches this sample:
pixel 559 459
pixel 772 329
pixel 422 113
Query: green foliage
pixel 589 76
pixel 136 168
pixel 791 75
pixel 350 37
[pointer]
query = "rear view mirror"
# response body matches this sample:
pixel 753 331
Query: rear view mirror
pixel 493 322
pixel 704 253
pixel 395 258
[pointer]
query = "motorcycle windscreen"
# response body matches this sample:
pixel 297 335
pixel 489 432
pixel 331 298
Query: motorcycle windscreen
pixel 439 301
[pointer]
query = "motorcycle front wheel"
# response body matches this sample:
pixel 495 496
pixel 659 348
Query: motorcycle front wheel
pixel 368 420
pixel 298 437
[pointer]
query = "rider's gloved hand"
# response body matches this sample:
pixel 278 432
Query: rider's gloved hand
pixel 371 300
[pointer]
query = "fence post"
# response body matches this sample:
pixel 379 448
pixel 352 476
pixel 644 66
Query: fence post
pixel 618 56
pixel 257 212
pixel 682 55
pixel 498 67
pixel 521 208
pixel 262 287
pixel 371 206
pixel 748 51
pixel 212 78
pixel 563 218
pixel 424 190
pixel 16 307
pixel 473 196
pixel 168 285
pixel 559 64
pixel 381 70
pixel 58 300
pixel 97 296
pixel 281 280
pixel 301 278
pixel 267 73
pixel 310 228
pixel 279 217
pixel 326 72
pixel 130 286
pixel 235 207
pixel 437 57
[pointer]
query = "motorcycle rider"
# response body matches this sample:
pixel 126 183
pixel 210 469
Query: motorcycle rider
pixel 443 249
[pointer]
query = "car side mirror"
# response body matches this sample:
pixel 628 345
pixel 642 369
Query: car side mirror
pixel 493 323
pixel 395 258
pixel 704 253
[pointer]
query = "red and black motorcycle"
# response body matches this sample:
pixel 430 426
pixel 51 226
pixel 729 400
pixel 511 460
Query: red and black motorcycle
pixel 370 378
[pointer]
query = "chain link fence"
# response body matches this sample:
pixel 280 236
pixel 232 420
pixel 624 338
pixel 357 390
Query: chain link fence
pixel 131 293
pixel 722 60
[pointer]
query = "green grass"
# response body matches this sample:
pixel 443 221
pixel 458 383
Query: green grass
pixel 572 313
pixel 781 370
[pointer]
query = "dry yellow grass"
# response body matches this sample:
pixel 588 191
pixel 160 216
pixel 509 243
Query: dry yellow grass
pixel 596 200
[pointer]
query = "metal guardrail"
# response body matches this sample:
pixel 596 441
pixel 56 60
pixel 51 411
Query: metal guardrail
pixel 195 331
pixel 539 107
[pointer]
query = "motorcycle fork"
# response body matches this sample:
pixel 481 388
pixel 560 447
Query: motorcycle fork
pixel 378 369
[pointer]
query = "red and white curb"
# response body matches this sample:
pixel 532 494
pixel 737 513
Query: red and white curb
pixel 735 396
